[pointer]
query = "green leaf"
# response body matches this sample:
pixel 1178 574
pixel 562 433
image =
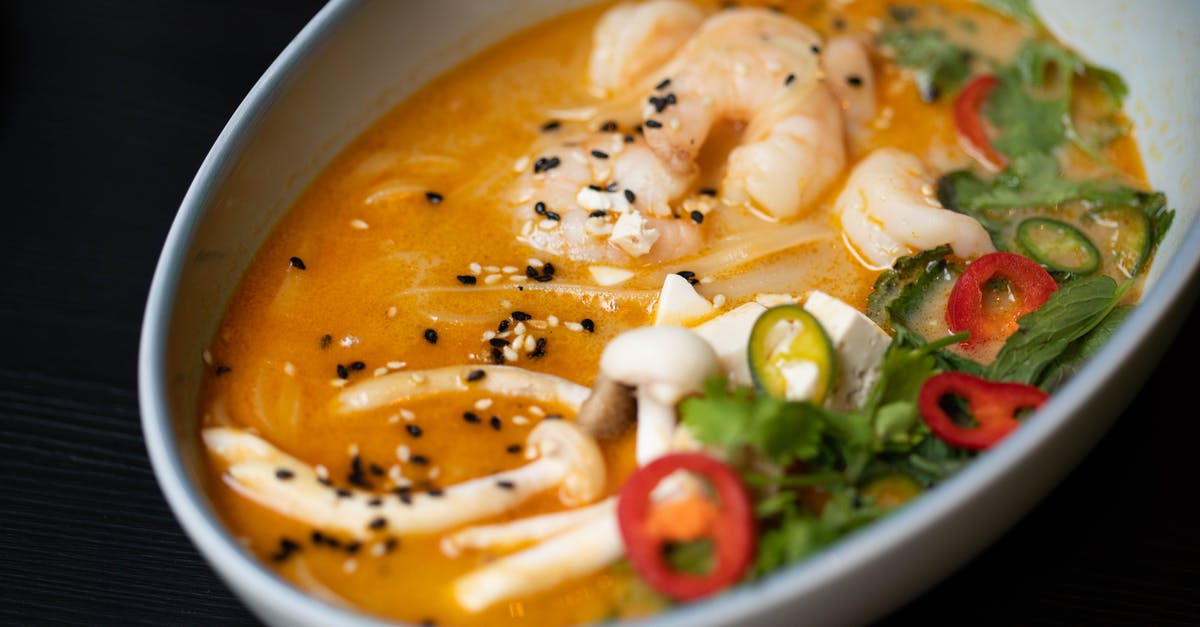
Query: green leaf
pixel 1045 334
pixel 1079 352
pixel 939 66
pixel 1017 9
pixel 891 284
pixel 796 534
pixel 784 431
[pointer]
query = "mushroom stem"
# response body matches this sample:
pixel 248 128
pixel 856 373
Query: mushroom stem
pixel 567 458
pixel 574 553
pixel 509 534
pixel 655 426
pixel 500 380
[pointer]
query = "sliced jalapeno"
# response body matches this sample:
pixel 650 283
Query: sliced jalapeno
pixel 791 356
pixel 1058 246
pixel 1130 238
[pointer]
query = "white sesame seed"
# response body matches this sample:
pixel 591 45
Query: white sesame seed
pixel 396 474
pixel 537 411
pixel 483 404
pixel 435 472
pixel 380 371
pixel 526 228
pixel 352 450
pixel 520 420
pixel 552 320
pixel 548 224
pixel 378 549
pixel 417 377
pixel 359 224
pixel 530 343
pixel 516 341
pixel 337 383
pixel 321 471
pixel 393 419
pixel 706 280
pixel 475 268
pixel 508 269
pixel 349 566
pixel 407 414
pixel 507 304
pixel 535 262
pixel 396 365
pixel 538 324
pixel 718 300
pixel 349 341
pixel 574 326
pixel 517 278
pixel 207 356
pixel 492 279
pixel 487 335
pixel 519 328
pixel 510 354
pixel 674 124
pixel 392 311
pixel 520 164
pixel 289 369
pixel 403 454
pixel 492 269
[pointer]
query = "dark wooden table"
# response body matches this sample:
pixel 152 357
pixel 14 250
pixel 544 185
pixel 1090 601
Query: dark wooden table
pixel 109 107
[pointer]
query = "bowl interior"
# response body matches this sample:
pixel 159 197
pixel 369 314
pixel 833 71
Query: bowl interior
pixel 356 60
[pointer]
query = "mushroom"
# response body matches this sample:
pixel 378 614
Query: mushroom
pixel 662 365
pixel 573 553
pixel 500 380
pixel 562 455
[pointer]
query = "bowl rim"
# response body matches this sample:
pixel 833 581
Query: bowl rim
pixel 261 589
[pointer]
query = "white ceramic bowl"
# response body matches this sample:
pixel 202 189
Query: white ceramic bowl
pixel 355 60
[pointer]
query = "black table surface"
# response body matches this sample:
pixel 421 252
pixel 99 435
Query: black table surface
pixel 108 109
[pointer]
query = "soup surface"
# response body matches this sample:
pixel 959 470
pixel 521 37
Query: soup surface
pixel 423 246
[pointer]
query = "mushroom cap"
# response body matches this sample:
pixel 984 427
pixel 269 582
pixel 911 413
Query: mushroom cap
pixel 665 358
pixel 609 410
pixel 585 476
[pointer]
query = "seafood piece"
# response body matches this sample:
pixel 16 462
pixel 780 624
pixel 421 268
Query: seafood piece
pixel 761 68
pixel 888 209
pixel 633 39
pixel 849 73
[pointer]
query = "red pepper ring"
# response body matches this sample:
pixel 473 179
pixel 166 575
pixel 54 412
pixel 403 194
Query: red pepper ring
pixel 993 405
pixel 967 109
pixel 731 531
pixel 1030 283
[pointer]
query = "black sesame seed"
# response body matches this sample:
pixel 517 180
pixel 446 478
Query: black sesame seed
pixel 513 448
pixel 629 139
pixel 638 129
pixel 544 164
pixel 545 278
pixel 666 82
pixel 553 417
pixel 521 316
pixel 283 474
pixel 413 430
pixel 791 78
pixel 353 547
pixel 375 502
pixel 318 537
pixel 433 197
pixel 222 369
pixel 539 349
pixel 324 481
pixel 357 365
pixel 531 272
pixel 476 375
pixel 609 126
pixel 599 154
pixel 550 215
pixel 505 484
pixel 816 49
pixel 539 208
pixel 419 460
pixel 854 80
pixel 298 263
pixel 342 373
pixel 611 187
pixel 326 341
pixel 466 279
pixel 599 213
pixel 693 281
pixel 660 104
pixel 595 188
pixel 343 493
pixel 498 342
pixel 376 470
pixel 471 417
pixel 495 422
pixel 378 523
pixel 552 125
pixel 497 356
pixel 434 492
pixel 404 493
pixel 697 217
pixel 630 196
pixel 390 544
pixel 503 326
pixel 431 336
pixel 548 269
pixel 588 325
pixel 653 124
pixel 708 191
pixel 839 23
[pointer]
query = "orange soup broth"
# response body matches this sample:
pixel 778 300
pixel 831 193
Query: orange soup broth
pixel 380 265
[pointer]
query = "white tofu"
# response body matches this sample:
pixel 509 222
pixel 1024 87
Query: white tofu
pixel 609 275
pixel 860 345
pixel 679 303
pixel 729 335
pixel 633 235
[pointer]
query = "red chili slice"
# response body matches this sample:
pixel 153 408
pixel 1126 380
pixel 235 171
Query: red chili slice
pixel 993 405
pixel 731 529
pixel 1031 286
pixel 967 119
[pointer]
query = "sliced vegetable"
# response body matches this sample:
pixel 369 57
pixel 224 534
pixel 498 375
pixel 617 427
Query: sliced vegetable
pixel 891 491
pixel 993 406
pixel 649 529
pixel 1028 283
pixel 1132 236
pixel 1058 246
pixel 791 356
pixel 969 122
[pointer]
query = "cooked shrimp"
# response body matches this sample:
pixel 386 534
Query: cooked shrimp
pixel 761 68
pixel 888 210
pixel 848 69
pixel 631 40
pixel 600 198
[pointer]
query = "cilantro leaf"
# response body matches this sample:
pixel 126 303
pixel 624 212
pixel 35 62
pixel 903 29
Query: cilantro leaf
pixel 1021 10
pixel 784 431
pixel 891 284
pixel 1076 354
pixel 939 65
pixel 796 534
